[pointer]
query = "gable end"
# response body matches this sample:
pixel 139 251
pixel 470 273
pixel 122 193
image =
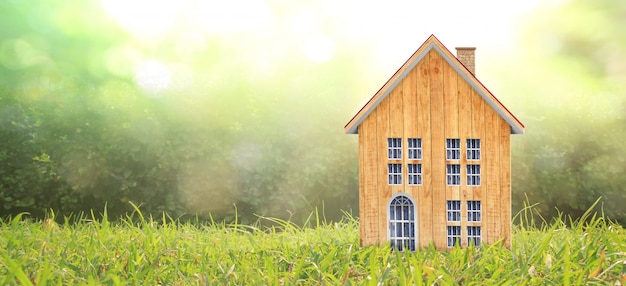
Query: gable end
pixel 433 43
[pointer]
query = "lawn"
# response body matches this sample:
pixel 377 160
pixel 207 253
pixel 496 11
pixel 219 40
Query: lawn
pixel 138 250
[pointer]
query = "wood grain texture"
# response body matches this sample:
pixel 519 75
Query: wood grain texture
pixel 505 181
pixel 362 175
pixel 396 126
pixel 478 132
pixel 466 193
pixel 492 212
pixel 409 101
pixel 384 189
pixel 369 213
pixel 438 150
pixel 451 115
pixel 424 199
pixel 431 98
pixel 465 130
pixel 432 43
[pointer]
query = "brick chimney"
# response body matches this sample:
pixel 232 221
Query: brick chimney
pixel 467 57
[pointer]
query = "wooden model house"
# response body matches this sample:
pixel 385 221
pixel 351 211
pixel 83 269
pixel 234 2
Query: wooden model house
pixel 434 156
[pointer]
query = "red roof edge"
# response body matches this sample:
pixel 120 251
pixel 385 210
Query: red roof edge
pixel 429 39
pixel 388 80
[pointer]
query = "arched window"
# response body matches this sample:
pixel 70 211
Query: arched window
pixel 402 223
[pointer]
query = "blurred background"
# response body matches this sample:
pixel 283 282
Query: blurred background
pixel 207 108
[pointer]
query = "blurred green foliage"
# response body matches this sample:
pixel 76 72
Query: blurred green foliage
pixel 569 83
pixel 195 123
pixel 81 126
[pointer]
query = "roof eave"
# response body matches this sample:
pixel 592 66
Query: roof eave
pixel 357 119
pixel 432 42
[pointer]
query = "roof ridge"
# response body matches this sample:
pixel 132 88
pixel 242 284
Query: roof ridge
pixel 432 42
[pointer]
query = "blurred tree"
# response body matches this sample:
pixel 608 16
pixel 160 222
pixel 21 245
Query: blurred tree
pixel 186 122
pixel 573 97
pixel 194 120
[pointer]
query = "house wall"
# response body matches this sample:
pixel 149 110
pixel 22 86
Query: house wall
pixel 433 102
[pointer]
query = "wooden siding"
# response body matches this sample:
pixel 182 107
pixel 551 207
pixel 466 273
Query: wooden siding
pixel 492 179
pixel 424 197
pixel 434 102
pixel 477 132
pixel 369 214
pixel 438 149
pixel 384 189
pixel 505 181
pixel 432 43
pixel 465 131
pixel 396 126
pixel 382 129
pixel 409 103
pixel 451 111
pixel 362 194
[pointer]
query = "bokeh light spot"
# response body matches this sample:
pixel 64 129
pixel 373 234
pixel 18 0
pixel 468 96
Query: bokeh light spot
pixel 319 48
pixel 20 53
pixel 152 76
pixel 145 18
pixel 232 16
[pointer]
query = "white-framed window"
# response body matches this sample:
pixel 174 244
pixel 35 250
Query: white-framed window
pixel 473 174
pixel 453 149
pixel 453 174
pixel 395 174
pixel 415 148
pixel 415 174
pixel 402 223
pixel 394 148
pixel 454 235
pixel 473 149
pixel 454 210
pixel 474 211
pixel 473 235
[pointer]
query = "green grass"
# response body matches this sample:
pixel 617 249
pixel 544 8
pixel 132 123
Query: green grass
pixel 152 251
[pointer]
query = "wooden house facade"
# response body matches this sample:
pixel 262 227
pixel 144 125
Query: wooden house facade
pixel 434 156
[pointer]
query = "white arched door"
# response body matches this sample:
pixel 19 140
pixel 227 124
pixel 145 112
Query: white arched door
pixel 402 223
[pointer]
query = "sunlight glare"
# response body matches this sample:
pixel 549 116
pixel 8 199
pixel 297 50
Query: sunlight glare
pixel 304 22
pixel 144 18
pixel 232 16
pixel 189 46
pixel 152 76
pixel 319 48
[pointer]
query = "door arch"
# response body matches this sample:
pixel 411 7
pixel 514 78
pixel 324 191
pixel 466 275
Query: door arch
pixel 402 221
